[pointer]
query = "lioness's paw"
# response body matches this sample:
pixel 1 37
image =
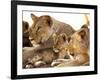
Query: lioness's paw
pixel 39 63
pixel 59 61
pixel 29 66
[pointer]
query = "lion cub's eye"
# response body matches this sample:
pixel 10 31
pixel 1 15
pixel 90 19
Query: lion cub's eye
pixel 69 39
pixel 38 28
pixel 64 39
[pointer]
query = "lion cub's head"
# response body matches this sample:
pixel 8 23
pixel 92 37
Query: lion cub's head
pixel 59 41
pixel 40 30
pixel 25 32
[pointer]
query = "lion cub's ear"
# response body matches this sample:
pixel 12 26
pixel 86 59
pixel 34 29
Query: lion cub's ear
pixel 64 36
pixel 34 17
pixel 82 33
pixel 68 39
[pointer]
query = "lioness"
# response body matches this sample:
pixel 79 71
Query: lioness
pixel 77 48
pixel 44 27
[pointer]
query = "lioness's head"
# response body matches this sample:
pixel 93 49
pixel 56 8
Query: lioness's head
pixel 40 30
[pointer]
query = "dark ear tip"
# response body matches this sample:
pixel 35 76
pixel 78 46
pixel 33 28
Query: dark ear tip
pixel 82 33
pixel 26 24
pixel 84 26
pixel 31 14
pixel 64 36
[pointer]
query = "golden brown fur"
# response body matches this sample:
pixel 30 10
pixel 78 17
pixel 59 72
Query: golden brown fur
pixel 77 47
pixel 57 42
pixel 44 27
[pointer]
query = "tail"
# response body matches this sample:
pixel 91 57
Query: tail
pixel 87 21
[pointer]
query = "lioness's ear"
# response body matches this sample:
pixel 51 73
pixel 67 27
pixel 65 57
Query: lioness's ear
pixel 82 33
pixel 34 17
pixel 48 20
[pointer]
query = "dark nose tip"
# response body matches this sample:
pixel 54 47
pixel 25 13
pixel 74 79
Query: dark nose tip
pixel 66 57
pixel 40 42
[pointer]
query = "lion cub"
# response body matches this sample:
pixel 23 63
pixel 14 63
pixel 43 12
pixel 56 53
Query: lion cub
pixel 25 32
pixel 37 58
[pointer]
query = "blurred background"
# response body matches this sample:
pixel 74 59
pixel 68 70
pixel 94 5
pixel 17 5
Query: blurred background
pixel 76 20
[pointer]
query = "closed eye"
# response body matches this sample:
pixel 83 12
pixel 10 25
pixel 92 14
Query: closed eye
pixel 38 28
pixel 69 39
